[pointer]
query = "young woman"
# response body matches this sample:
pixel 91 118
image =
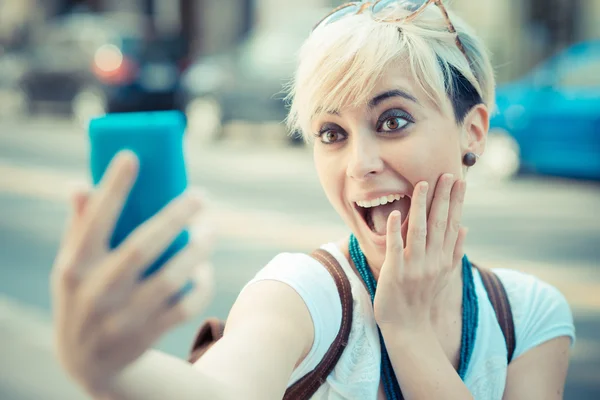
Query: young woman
pixel 396 105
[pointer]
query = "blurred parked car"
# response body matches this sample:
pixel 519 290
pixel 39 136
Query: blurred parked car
pixel 245 83
pixel 549 121
pixel 91 64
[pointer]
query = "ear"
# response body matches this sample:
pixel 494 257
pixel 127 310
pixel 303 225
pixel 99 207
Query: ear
pixel 475 127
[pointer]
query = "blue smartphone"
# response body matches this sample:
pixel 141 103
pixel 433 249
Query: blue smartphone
pixel 156 138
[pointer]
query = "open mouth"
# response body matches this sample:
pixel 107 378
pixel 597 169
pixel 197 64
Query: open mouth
pixel 375 213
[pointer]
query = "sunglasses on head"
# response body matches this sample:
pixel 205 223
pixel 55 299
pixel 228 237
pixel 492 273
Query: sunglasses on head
pixel 388 11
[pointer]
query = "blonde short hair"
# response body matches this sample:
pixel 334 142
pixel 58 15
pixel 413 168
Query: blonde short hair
pixel 340 63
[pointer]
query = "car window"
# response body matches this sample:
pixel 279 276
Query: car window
pixel 581 70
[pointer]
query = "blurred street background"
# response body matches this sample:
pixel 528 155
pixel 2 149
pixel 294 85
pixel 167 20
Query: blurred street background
pixel 533 202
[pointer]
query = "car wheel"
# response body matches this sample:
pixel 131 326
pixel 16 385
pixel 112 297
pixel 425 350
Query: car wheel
pixel 502 158
pixel 87 104
pixel 204 119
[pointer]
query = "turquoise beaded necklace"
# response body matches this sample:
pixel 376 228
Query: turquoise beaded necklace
pixel 469 319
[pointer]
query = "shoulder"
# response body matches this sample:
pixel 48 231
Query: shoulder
pixel 316 289
pixel 540 311
pixel 304 274
pixel 528 293
pixel 293 265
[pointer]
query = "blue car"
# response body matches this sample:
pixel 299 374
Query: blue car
pixel 549 121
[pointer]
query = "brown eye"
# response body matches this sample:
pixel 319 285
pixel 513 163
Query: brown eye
pixel 394 123
pixel 331 136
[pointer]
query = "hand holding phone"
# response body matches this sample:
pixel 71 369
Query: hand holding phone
pixel 105 316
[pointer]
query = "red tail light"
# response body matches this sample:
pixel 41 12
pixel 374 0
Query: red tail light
pixel 112 67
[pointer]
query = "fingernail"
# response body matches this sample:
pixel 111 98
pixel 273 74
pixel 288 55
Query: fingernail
pixel 127 156
pixel 395 220
pixel 424 187
pixel 128 162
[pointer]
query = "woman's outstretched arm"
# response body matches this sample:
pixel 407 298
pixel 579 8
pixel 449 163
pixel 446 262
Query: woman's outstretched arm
pixel 269 332
pixel 106 318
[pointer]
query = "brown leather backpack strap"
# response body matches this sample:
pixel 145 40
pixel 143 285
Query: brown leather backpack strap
pixel 499 299
pixel 310 383
pixel 209 333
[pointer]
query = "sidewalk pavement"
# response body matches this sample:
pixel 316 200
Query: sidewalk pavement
pixel 28 367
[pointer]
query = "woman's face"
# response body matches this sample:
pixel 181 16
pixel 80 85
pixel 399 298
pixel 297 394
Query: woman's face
pixel 383 149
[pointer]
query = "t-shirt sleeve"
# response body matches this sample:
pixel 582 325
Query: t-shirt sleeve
pixel 540 311
pixel 318 290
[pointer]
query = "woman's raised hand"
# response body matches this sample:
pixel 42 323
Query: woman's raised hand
pixel 106 317
pixel 412 276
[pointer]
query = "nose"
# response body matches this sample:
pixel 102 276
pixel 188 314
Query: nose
pixel 365 157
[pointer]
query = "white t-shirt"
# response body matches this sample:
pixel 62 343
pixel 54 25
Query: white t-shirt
pixel 540 313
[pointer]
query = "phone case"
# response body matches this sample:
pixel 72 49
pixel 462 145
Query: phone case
pixel 157 140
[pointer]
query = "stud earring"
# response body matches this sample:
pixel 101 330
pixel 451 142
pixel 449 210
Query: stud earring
pixel 470 159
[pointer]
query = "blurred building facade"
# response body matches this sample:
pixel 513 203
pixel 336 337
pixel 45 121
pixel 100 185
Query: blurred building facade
pixel 206 25
pixel 519 32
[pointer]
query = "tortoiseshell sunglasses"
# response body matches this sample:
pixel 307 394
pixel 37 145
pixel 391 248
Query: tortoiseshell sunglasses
pixel 385 11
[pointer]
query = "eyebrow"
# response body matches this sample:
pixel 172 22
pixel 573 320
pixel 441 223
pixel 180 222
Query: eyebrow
pixel 391 93
pixel 375 101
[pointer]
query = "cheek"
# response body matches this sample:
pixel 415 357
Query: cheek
pixel 444 153
pixel 426 156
